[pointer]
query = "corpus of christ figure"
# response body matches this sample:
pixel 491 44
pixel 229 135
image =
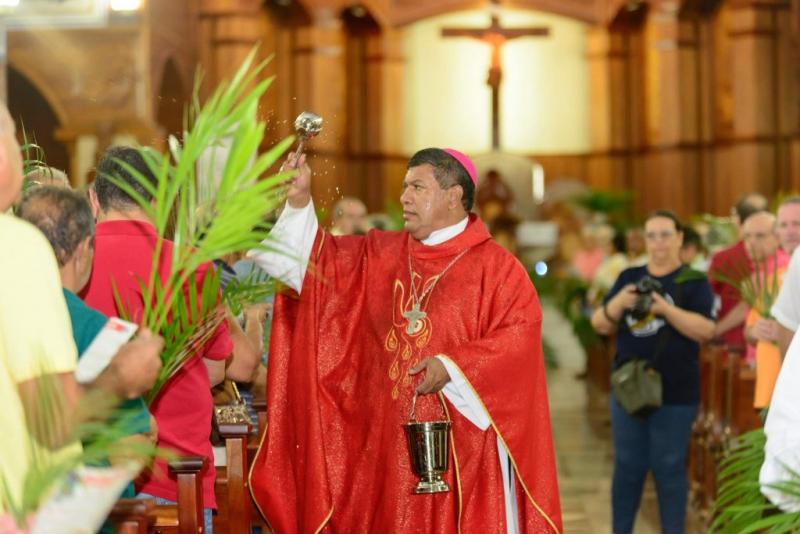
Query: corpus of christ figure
pixel 495 36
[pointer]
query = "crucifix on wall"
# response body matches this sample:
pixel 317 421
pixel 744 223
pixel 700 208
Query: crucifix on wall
pixel 495 36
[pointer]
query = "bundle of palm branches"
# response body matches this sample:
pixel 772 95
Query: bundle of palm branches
pixel 210 209
pixel 759 288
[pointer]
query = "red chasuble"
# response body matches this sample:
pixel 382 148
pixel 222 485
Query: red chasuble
pixel 334 457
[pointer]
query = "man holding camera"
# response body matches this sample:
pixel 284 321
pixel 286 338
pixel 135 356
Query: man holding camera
pixel 660 312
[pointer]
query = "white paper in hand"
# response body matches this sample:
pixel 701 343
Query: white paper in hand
pixel 102 349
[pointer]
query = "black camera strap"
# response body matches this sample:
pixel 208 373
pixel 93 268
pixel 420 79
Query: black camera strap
pixel 662 334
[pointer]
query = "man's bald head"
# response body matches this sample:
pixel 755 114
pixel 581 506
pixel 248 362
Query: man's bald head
pixel 747 205
pixel 63 216
pixel 348 216
pixel 44 175
pixel 758 232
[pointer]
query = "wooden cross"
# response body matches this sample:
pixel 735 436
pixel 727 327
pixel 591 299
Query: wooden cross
pixel 495 36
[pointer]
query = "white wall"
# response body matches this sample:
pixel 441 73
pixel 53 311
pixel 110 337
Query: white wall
pixel 544 96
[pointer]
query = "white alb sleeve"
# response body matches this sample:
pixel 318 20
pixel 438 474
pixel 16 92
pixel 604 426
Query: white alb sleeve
pixel 289 246
pixel 461 395
pixel 782 429
pixel 786 309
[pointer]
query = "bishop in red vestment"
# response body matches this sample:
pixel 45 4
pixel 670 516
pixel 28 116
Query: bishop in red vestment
pixel 438 308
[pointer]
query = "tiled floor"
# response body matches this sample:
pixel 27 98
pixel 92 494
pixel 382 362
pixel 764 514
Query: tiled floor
pixel 582 436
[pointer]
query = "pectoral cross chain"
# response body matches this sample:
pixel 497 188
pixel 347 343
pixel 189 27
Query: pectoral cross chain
pixel 415 314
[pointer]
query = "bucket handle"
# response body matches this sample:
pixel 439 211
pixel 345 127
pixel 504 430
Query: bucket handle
pixel 412 417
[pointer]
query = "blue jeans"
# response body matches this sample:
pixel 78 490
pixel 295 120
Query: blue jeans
pixel 659 443
pixel 208 513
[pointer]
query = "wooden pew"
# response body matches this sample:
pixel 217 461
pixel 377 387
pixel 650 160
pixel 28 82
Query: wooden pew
pixel 260 406
pixel 743 416
pixel 231 488
pixel 140 516
pixel 713 429
pixel 187 516
pixel 729 412
pixel 709 361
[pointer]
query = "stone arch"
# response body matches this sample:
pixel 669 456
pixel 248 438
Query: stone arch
pixel 32 111
pixel 37 81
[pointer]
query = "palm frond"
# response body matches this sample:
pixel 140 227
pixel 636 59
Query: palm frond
pixel 740 506
pixel 758 287
pixel 53 427
pixel 217 210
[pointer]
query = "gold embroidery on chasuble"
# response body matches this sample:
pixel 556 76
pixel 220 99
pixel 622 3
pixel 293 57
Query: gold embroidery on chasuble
pixel 405 342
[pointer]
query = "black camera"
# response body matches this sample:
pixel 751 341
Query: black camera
pixel 644 290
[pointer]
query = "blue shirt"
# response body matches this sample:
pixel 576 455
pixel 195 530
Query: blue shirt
pixel 678 359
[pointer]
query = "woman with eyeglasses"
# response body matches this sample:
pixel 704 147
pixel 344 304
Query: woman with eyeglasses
pixel 660 313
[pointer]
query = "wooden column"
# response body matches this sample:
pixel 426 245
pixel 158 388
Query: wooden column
pixel 669 171
pixel 227 31
pixel 756 154
pixel 385 67
pixel 320 77
pixel 607 58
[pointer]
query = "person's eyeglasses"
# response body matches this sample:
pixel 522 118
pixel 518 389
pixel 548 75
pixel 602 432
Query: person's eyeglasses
pixel 655 236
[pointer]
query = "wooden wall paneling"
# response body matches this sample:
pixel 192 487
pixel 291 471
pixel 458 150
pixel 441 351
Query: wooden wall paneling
pixel 320 86
pixel 794 166
pixel 599 57
pixel 722 59
pixel 363 97
pixel 752 36
pixel 787 55
pixel 602 170
pixel 662 83
pixel 270 105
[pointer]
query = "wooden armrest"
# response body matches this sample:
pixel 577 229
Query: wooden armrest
pixel 126 507
pixel 234 430
pixel 187 464
pixel 131 516
pixel 165 519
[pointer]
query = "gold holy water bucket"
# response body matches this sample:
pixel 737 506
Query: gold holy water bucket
pixel 428 446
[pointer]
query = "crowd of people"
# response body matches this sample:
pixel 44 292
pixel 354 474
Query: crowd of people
pixel 452 315
pixel 76 257
pixel 664 303
pixel 441 311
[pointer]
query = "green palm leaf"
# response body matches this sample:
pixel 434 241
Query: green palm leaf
pixel 214 215
pixel 740 506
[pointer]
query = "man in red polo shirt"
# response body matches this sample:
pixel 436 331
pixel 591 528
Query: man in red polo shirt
pixel 733 262
pixel 124 247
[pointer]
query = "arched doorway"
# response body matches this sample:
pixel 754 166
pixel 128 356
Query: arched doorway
pixel 33 114
pixel 172 100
